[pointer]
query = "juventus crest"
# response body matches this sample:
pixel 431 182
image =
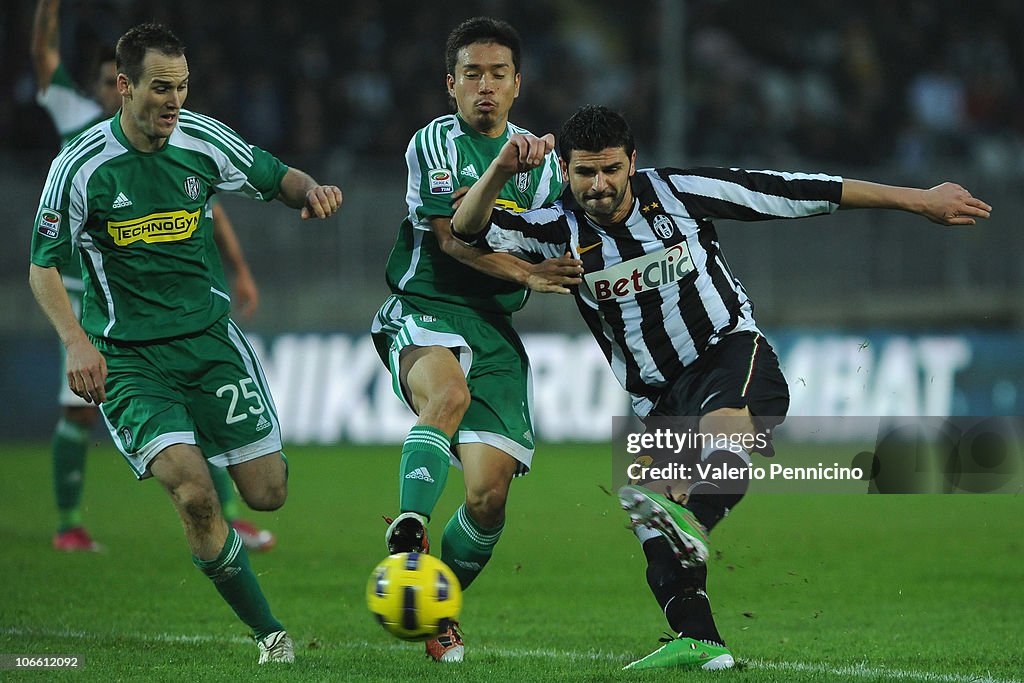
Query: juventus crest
pixel 663 226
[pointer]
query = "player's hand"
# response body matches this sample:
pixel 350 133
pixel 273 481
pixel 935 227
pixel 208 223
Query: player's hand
pixel 87 371
pixel 458 195
pixel 322 201
pixel 245 293
pixel 555 275
pixel 524 152
pixel 950 204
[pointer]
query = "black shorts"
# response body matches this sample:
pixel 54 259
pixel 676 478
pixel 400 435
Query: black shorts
pixel 741 371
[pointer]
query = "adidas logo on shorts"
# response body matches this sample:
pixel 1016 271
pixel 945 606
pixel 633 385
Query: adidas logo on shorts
pixel 421 473
pixel 263 423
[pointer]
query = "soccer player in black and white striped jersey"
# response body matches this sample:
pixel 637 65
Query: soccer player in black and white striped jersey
pixel 674 323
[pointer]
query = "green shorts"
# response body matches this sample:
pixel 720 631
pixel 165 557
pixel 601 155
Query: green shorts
pixel 207 390
pixel 495 364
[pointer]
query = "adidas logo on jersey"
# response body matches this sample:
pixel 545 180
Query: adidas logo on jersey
pixel 121 201
pixel 421 473
pixel 470 172
pixel 263 423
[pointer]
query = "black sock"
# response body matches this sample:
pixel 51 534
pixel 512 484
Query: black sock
pixel 680 592
pixel 710 501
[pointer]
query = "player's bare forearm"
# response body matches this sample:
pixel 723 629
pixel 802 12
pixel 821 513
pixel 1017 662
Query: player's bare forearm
pixel 300 191
pixel 945 204
pixel 552 276
pixel 474 212
pixel 243 290
pixel 86 367
pixel 45 44
pixel 227 241
pixel 48 289
pixel 520 154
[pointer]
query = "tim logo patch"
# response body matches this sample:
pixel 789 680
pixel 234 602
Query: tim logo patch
pixel 441 181
pixel 49 224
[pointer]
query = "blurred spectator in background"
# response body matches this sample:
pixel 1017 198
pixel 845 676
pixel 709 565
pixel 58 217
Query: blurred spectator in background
pixel 853 83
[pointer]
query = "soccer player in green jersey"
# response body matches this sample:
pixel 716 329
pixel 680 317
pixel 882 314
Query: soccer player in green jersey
pixel 174 377
pixel 446 333
pixel 73 112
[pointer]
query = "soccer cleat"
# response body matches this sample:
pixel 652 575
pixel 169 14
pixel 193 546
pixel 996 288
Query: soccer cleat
pixel 680 528
pixel 686 653
pixel 448 646
pixel 75 539
pixel 407 533
pixel 254 538
pixel 277 647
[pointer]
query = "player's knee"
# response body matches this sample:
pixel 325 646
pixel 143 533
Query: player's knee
pixel 452 399
pixel 269 496
pixel 197 505
pixel 486 504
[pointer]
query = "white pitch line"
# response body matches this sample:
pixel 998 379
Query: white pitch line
pixel 865 671
pixel 844 671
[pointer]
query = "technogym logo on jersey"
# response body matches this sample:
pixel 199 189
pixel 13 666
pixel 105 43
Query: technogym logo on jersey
pixel 169 226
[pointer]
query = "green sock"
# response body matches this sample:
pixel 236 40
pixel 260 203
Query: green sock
pixel 225 491
pixel 424 469
pixel 466 547
pixel 236 582
pixel 70 443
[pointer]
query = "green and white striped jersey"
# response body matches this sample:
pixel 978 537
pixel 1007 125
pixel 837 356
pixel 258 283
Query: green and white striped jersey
pixel 71 113
pixel 143 225
pixel 442 157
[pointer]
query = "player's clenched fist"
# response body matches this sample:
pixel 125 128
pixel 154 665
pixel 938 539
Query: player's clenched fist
pixel 524 152
pixel 322 201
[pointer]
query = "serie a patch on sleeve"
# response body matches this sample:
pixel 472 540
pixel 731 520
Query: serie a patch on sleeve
pixel 441 181
pixel 49 223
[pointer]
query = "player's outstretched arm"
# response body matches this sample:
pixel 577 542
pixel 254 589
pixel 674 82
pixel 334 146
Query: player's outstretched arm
pixel 520 154
pixel 300 191
pixel 45 44
pixel 552 276
pixel 945 204
pixel 243 288
pixel 87 369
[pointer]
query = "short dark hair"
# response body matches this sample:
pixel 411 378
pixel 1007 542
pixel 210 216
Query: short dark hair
pixel 594 128
pixel 133 45
pixel 482 30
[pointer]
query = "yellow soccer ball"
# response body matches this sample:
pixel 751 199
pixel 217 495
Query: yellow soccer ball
pixel 413 595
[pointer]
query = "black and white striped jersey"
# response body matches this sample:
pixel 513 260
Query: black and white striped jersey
pixel 657 291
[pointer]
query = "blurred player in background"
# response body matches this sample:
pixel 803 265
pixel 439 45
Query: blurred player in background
pixel 673 322
pixel 73 112
pixel 446 332
pixel 175 378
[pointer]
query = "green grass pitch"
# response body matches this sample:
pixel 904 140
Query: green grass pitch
pixel 805 588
